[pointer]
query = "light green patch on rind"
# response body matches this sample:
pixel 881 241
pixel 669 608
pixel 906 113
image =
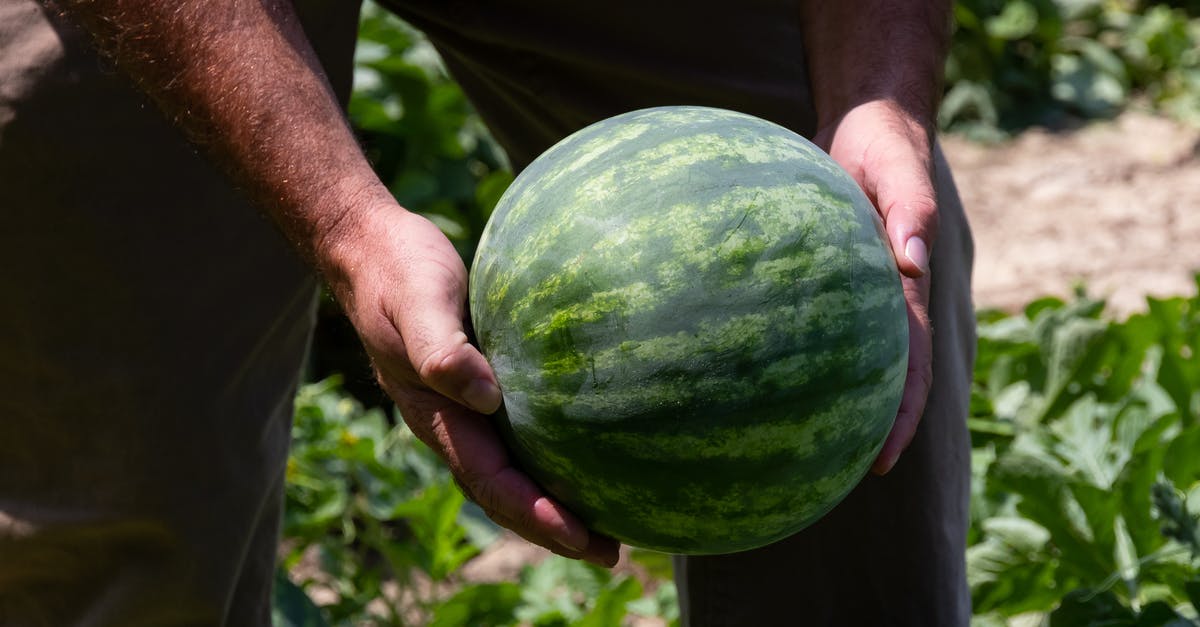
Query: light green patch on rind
pixel 576 157
pixel 635 297
pixel 746 222
pixel 662 152
pixel 699 506
pixel 712 338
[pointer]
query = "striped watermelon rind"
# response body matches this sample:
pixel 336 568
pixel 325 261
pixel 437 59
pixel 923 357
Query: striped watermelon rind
pixel 697 325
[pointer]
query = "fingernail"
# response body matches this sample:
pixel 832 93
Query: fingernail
pixel 601 561
pixel 883 465
pixel 918 253
pixel 482 395
pixel 571 545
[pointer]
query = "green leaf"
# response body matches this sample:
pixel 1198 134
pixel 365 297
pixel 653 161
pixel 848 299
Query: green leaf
pixel 1070 350
pixel 479 529
pixel 1083 608
pixel 1017 20
pixel 1193 592
pixel 490 604
pixel 1010 569
pixel 491 188
pixel 291 607
pixel 1078 82
pixel 437 525
pixel 657 564
pixel 609 607
pixel 968 100
pixel 556 590
pixel 1160 614
pixel 1181 463
pixel 663 603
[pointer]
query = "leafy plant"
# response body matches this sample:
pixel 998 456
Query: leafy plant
pixel 1014 63
pixel 1085 430
pixel 420 132
pixel 376 528
pixel 373 520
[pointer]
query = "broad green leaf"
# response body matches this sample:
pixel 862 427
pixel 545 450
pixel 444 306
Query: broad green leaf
pixel 491 188
pixel 1181 462
pixel 291 607
pixel 1023 536
pixel 440 544
pixel 491 604
pixel 556 591
pixel 1010 570
pixel 662 604
pixel 968 100
pixel 657 564
pixel 1071 356
pixel 609 607
pixel 1160 614
pixel 1017 20
pixel 479 529
pixel 1193 592
pixel 1084 608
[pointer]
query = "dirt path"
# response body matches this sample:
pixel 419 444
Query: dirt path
pixel 1115 204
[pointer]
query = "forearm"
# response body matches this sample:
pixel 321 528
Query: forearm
pixel 876 50
pixel 242 81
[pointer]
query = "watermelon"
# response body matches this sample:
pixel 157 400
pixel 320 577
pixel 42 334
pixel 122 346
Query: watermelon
pixel 697 326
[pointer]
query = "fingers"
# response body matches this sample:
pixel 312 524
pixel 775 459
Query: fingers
pixel 543 512
pixel 447 362
pixel 458 380
pixel 429 317
pixel 481 466
pixel 443 357
pixel 918 380
pixel 908 204
pixel 889 154
pixel 406 296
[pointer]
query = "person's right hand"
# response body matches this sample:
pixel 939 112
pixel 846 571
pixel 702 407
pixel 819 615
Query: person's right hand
pixel 403 286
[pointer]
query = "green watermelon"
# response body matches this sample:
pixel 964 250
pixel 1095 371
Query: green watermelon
pixel 697 325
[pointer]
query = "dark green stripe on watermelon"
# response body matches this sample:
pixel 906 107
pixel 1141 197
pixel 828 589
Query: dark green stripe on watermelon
pixel 697 325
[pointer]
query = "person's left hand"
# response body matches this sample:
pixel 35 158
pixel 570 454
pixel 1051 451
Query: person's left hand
pixel 889 153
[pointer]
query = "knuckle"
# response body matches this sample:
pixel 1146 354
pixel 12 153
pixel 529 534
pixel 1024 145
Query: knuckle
pixel 485 496
pixel 440 362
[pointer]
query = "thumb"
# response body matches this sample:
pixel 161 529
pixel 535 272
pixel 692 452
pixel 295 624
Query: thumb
pixel 455 369
pixel 908 205
pixel 440 352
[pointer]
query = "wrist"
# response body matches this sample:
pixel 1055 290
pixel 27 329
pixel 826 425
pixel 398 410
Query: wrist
pixel 884 115
pixel 875 51
pixel 343 238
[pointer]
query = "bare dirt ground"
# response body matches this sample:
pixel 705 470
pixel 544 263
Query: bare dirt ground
pixel 1114 204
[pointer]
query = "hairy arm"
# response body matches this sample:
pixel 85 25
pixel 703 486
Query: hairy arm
pixel 240 77
pixel 876 51
pixel 242 81
pixel 876 68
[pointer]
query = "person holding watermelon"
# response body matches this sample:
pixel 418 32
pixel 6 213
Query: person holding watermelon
pixel 150 358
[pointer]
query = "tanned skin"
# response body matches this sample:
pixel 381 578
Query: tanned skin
pixel 242 80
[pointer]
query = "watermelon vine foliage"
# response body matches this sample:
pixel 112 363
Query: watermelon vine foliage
pixel 1086 477
pixel 1085 499
pixel 1017 63
pixel 1086 487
